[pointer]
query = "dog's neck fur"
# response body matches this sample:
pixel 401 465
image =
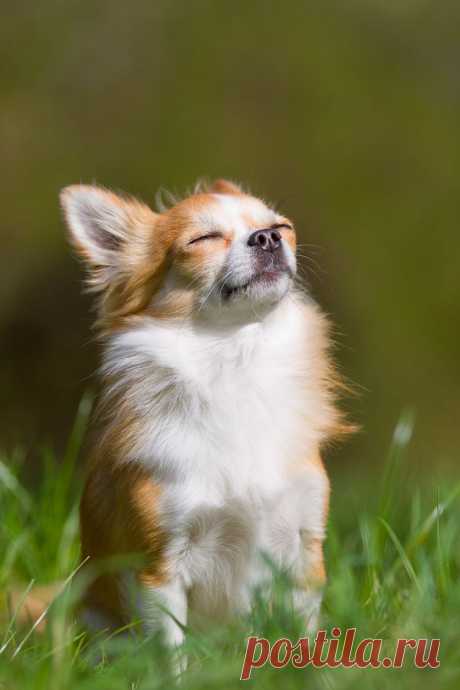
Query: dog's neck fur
pixel 226 406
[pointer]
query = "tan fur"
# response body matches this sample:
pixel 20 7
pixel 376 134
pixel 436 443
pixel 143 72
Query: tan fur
pixel 119 517
pixel 27 609
pixel 225 187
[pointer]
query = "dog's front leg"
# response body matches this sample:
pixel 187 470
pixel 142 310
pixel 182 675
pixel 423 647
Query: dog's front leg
pixel 310 573
pixel 163 608
pixel 309 584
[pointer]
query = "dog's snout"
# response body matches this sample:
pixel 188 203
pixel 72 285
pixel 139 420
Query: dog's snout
pixel 268 240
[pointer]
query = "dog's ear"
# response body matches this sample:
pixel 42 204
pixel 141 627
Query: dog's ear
pixel 100 222
pixel 225 187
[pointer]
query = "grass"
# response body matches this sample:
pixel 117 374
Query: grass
pixel 393 560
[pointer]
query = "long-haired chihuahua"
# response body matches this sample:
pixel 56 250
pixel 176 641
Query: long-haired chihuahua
pixel 218 395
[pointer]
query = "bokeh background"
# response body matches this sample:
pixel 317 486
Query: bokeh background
pixel 346 114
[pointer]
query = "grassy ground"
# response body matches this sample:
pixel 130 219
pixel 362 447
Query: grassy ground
pixel 393 560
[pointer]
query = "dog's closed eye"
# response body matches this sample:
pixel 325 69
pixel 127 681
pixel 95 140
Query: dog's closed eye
pixel 208 236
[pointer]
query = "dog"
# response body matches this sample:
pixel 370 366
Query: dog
pixel 218 395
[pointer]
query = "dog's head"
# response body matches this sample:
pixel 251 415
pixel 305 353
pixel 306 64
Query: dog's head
pixel 217 251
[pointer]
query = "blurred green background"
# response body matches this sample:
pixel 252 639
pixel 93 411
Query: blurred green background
pixel 344 113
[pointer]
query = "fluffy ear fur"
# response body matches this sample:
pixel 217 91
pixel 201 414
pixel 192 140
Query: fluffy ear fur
pixel 100 222
pixel 225 187
pixel 114 235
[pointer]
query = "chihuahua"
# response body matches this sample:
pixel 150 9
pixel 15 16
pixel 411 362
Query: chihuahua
pixel 218 396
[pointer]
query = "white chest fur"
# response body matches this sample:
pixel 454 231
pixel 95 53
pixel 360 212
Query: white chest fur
pixel 224 416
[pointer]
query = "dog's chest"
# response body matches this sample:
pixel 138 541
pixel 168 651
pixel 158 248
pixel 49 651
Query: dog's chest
pixel 225 424
pixel 228 415
pixel 232 426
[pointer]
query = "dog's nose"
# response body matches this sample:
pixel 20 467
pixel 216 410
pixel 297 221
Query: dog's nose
pixel 268 240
